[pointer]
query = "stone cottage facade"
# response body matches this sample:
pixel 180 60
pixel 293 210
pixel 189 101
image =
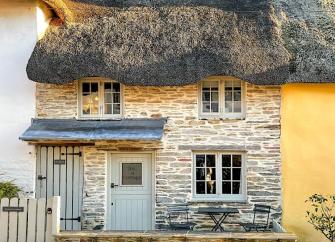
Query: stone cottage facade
pixel 254 136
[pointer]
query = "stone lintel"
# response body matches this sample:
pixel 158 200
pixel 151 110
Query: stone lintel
pixel 240 148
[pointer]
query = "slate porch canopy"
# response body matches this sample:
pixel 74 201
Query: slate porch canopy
pixel 94 130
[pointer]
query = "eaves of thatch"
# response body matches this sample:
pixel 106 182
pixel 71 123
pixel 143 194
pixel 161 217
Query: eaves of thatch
pixel 177 42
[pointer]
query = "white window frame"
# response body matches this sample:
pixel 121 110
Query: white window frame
pixel 218 167
pixel 101 96
pixel 222 114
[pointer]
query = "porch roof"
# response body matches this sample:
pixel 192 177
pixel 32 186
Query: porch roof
pixel 92 130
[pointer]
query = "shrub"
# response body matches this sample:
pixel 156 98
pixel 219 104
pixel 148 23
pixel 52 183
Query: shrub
pixel 322 214
pixel 8 189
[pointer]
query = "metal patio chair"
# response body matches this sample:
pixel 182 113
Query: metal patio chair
pixel 259 210
pixel 178 217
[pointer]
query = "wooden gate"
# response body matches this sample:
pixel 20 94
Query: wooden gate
pixel 29 220
pixel 60 173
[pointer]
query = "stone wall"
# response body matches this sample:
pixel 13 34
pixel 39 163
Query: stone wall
pixel 258 134
pixel 56 101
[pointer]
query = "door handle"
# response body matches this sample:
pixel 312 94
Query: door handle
pixel 113 185
pixel 40 177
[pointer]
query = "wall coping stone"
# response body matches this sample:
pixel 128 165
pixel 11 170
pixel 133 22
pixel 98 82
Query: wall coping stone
pixel 172 234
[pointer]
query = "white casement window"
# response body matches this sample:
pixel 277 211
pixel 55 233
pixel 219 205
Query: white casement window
pixel 100 99
pixel 222 98
pixel 219 176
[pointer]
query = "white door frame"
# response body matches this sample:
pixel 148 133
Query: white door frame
pixel 108 182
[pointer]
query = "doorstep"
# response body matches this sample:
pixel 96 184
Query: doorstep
pixel 125 236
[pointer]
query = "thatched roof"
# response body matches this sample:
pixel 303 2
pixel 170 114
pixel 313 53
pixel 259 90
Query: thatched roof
pixel 177 42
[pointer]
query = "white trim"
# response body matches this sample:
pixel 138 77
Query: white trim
pixel 219 196
pixel 101 95
pixel 153 186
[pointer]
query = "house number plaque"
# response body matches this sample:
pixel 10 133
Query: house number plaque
pixel 13 209
pixel 132 174
pixel 59 162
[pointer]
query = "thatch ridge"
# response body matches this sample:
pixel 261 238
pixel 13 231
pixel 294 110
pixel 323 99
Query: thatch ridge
pixel 181 42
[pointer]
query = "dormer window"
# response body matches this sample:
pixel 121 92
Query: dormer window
pixel 100 99
pixel 222 99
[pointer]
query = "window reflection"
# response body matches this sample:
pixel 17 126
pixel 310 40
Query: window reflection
pixel 231 174
pixel 205 174
pixel 210 97
pixel 90 98
pixel 100 98
pixel 112 98
pixel 233 97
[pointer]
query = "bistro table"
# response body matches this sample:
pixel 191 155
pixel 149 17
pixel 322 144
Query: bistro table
pixel 212 211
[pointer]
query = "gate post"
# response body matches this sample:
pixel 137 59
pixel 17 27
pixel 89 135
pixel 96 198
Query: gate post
pixel 55 215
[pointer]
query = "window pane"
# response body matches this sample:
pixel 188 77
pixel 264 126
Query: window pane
pixel 237 160
pixel 94 103
pixel 210 174
pixel 211 187
pixel 236 187
pixel 226 160
pixel 228 96
pixel 226 174
pixel 86 87
pixel 116 98
pixel 215 107
pixel 206 86
pixel 206 96
pixel 215 97
pixel 229 107
pixel 214 85
pixel 237 85
pixel 132 174
pixel 200 188
pixel 237 174
pixel 237 107
pixel 108 97
pixel 116 87
pixel 94 87
pixel 108 108
pixel 210 160
pixel 86 104
pixel 228 84
pixel 226 187
pixel 116 109
pixel 200 174
pixel 206 107
pixel 200 160
pixel 237 95
pixel 108 87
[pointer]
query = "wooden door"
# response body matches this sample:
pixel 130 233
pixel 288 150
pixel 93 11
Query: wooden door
pixel 59 172
pixel 130 192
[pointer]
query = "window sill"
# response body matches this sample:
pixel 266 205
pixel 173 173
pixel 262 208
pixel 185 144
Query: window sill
pixel 99 118
pixel 204 117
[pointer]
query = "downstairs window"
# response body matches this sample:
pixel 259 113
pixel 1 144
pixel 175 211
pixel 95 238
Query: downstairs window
pixel 219 176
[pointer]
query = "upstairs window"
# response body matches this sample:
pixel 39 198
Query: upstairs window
pixel 222 98
pixel 100 99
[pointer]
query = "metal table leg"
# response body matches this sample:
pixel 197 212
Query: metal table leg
pixel 218 222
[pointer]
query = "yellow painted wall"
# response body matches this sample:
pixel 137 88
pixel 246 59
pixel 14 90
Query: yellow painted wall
pixel 308 152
